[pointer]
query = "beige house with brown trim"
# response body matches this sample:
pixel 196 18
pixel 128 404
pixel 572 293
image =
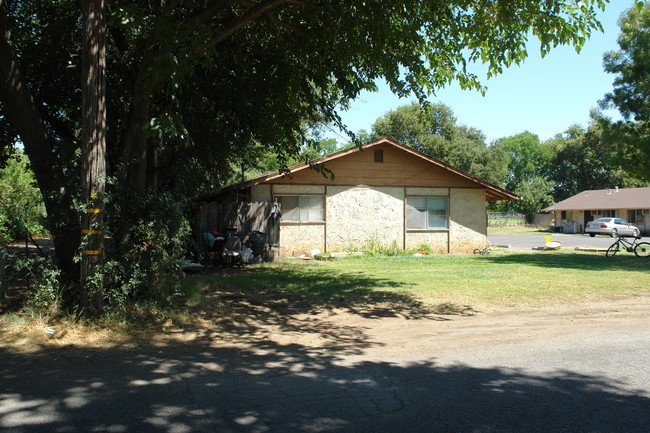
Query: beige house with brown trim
pixel 384 193
pixel 630 204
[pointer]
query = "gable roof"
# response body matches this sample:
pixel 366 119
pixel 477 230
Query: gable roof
pixel 613 198
pixel 492 192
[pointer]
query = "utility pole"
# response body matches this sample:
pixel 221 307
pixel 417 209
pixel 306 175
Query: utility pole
pixel 93 157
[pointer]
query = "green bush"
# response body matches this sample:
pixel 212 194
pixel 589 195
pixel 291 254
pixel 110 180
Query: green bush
pixel 5 235
pixel 146 237
pixel 40 279
pixel 21 205
pixel 375 248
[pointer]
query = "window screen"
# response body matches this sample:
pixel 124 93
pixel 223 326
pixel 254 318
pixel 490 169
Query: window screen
pixel 426 213
pixel 302 208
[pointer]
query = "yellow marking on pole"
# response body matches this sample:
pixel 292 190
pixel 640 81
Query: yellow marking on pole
pixel 92 232
pixel 92 210
pixel 92 252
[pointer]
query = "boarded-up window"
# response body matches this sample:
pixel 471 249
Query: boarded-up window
pixel 302 208
pixel 379 155
pixel 426 213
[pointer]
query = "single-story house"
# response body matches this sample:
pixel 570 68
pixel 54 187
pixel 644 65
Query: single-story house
pixel 631 204
pixel 384 193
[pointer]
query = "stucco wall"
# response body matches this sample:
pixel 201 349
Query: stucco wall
pixel 436 240
pixel 467 220
pixel 358 215
pixel 295 238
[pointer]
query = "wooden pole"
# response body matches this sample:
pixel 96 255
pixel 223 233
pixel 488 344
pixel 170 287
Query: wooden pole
pixel 93 159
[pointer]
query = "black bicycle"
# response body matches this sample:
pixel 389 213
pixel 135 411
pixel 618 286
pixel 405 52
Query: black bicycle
pixel 640 249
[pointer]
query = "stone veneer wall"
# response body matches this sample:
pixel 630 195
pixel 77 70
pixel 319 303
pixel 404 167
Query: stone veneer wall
pixel 357 216
pixel 296 238
pixel 467 220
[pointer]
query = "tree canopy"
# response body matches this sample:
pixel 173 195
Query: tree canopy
pixel 21 206
pixel 196 86
pixel 434 130
pixel 583 161
pixel 631 95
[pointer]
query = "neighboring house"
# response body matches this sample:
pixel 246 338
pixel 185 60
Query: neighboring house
pixel 385 193
pixel 631 204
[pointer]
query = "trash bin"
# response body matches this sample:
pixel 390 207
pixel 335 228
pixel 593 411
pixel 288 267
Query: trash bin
pixel 258 243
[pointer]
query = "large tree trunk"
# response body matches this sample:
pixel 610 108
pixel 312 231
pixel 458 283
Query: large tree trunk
pixel 93 157
pixel 22 112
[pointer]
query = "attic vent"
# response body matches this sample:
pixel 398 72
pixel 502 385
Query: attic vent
pixel 379 156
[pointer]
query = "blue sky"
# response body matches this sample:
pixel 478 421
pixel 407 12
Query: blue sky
pixel 543 96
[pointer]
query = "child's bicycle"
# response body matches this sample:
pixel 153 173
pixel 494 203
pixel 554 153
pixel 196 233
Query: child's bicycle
pixel 640 249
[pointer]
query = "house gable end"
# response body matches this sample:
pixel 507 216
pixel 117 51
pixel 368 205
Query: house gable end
pixel 381 165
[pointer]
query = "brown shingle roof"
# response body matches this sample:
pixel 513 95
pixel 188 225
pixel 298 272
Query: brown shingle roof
pixel 623 198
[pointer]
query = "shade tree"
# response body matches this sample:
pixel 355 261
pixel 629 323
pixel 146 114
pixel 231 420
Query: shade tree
pixel 630 64
pixel 195 86
pixel 434 130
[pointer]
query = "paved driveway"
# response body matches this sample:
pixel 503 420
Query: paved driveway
pixel 527 242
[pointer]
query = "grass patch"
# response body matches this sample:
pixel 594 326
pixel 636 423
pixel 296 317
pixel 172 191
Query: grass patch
pixel 282 295
pixel 444 282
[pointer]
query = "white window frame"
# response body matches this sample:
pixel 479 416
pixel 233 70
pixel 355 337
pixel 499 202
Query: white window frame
pixel 409 216
pixel 303 211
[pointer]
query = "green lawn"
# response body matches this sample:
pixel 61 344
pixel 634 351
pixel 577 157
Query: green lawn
pixel 455 284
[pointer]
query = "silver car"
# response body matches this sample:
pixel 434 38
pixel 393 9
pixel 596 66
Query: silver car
pixel 612 227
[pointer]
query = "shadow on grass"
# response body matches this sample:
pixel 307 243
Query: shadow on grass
pixel 270 387
pixel 307 289
pixel 256 302
pixel 596 262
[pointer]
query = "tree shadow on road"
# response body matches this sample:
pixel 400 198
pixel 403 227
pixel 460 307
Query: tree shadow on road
pixel 269 359
pixel 271 387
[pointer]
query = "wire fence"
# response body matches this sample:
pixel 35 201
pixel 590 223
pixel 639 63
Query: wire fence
pixel 501 219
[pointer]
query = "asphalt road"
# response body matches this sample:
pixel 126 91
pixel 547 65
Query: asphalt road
pixel 527 242
pixel 579 371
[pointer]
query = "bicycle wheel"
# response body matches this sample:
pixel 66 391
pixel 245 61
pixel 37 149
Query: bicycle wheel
pixel 477 251
pixel 612 250
pixel 642 249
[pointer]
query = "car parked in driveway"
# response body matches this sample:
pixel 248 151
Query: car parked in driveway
pixel 611 227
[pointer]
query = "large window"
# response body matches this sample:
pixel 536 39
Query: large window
pixel 427 213
pixel 302 208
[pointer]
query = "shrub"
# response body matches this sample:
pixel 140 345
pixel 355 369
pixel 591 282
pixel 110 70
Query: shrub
pixel 40 280
pixel 146 238
pixel 21 205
